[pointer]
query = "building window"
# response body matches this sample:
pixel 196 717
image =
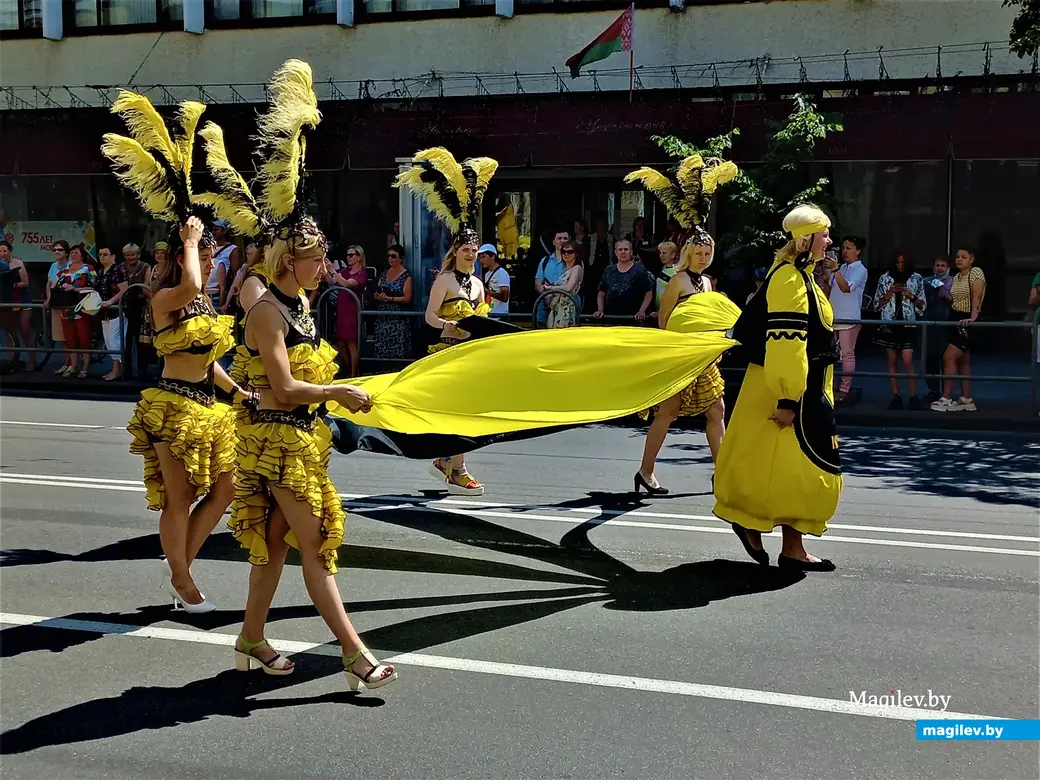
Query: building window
pixel 426 5
pixel 223 9
pixel 173 10
pixel 269 9
pixel 120 12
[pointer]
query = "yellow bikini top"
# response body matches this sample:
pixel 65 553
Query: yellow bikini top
pixel 311 358
pixel 199 331
pixel 307 363
pixel 455 309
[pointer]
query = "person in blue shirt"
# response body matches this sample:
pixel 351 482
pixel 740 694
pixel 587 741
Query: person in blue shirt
pixel 550 274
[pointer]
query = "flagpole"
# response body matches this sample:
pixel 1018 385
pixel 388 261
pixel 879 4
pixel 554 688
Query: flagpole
pixel 631 50
pixel 631 73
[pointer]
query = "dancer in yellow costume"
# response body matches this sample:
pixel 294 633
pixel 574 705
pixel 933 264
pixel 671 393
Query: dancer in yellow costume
pixel 453 191
pixel 688 200
pixel 779 461
pixel 186 437
pixel 283 451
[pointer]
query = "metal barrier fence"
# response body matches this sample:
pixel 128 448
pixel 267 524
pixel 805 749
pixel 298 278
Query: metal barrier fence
pixel 558 309
pixel 43 339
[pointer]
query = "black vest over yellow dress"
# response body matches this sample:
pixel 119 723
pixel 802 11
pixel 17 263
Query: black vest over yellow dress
pixel 766 476
pixel 199 430
pixel 289 449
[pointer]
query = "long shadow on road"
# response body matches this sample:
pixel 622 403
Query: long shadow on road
pixel 593 576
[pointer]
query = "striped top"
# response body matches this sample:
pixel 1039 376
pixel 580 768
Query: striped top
pixel 964 285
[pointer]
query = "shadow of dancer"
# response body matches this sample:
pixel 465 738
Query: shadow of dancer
pixel 144 708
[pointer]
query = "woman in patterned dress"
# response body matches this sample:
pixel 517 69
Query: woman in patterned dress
pixel 394 293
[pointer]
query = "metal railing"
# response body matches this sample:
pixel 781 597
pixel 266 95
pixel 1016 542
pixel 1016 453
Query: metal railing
pixel 541 316
pixel 45 337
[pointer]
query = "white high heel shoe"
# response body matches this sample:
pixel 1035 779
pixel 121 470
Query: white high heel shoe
pixel 201 608
pixel 378 676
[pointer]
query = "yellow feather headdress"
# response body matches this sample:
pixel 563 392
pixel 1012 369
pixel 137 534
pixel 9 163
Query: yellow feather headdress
pixel 277 206
pixel 688 196
pixel 453 191
pixel 154 162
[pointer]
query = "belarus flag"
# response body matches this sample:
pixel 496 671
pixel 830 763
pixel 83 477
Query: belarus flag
pixel 617 37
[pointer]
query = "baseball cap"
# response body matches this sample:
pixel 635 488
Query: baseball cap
pixel 162 245
pixel 221 223
pixel 489 248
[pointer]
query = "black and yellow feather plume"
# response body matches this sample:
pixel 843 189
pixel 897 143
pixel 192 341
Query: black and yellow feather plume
pixel 668 192
pixel 233 200
pixel 152 162
pixel 183 136
pixel 453 191
pixel 477 171
pixel 282 149
pixel 140 171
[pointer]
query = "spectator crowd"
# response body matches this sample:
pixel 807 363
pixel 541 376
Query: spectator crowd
pixel 591 275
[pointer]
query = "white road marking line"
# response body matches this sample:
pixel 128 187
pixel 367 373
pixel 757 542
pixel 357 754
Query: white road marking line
pixel 59 425
pixel 522 510
pixel 419 505
pixel 548 674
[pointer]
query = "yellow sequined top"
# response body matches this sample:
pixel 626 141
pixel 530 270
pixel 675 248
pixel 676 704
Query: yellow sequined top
pixel 199 331
pixel 453 310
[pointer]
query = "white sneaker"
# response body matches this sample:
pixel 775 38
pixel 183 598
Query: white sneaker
pixel 942 405
pixel 963 404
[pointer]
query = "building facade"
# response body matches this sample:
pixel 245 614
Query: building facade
pixel 939 145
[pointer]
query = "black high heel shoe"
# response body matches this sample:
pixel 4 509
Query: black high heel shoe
pixel 639 482
pixel 759 556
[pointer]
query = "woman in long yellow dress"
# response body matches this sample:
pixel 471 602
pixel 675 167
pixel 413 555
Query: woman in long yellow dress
pixel 688 200
pixel 453 191
pixel 779 462
pixel 187 438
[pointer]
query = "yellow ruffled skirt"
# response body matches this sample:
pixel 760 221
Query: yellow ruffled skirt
pixel 698 396
pixel 297 460
pixel 201 438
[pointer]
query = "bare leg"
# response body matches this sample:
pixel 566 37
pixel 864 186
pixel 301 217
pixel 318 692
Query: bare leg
pixel 25 325
pixel 950 359
pixel 173 523
pixel 716 427
pixel 355 360
pixel 965 365
pixel 893 380
pixel 908 369
pixel 664 416
pixel 792 546
pixel 321 584
pixel 457 462
pixel 263 582
pixel 207 513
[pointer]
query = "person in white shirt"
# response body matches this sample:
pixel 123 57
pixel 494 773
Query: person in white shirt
pixel 495 278
pixel 225 266
pixel 848 281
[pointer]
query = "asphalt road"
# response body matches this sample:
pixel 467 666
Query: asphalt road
pixel 554 628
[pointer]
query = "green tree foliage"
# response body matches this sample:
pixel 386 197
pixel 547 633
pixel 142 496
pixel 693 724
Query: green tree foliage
pixel 1025 30
pixel 758 198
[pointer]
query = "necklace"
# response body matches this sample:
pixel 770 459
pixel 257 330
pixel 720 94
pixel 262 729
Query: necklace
pixel 299 317
pixel 465 283
pixel 696 280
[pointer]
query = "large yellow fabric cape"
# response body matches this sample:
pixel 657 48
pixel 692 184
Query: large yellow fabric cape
pixel 547 378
